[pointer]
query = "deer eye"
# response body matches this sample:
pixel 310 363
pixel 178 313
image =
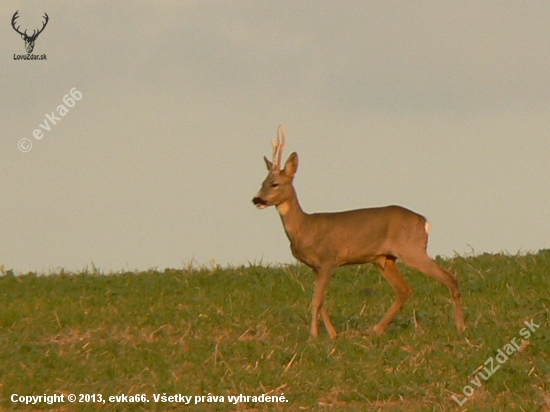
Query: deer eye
pixel 274 185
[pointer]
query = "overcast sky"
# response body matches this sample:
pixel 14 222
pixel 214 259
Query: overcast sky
pixel 442 107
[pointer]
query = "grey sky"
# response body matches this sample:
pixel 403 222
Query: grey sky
pixel 442 107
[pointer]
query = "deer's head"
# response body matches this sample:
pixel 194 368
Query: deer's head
pixel 277 186
pixel 29 40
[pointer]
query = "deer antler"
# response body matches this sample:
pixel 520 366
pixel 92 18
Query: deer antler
pixel 43 26
pixel 34 33
pixel 15 16
pixel 278 147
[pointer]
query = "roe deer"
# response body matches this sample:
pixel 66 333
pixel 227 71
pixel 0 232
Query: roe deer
pixel 325 241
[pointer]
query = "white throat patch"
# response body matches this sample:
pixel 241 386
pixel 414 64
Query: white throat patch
pixel 283 208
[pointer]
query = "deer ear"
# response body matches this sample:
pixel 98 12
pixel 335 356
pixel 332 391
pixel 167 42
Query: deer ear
pixel 291 165
pixel 268 164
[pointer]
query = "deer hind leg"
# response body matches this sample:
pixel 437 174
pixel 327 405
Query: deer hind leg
pixel 427 266
pixel 322 278
pixel 387 267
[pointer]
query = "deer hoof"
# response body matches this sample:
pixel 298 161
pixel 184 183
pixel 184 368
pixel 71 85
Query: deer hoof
pixel 378 330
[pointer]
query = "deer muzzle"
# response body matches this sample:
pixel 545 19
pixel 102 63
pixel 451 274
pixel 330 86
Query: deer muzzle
pixel 259 202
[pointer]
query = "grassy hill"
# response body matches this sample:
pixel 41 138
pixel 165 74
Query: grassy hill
pixel 222 332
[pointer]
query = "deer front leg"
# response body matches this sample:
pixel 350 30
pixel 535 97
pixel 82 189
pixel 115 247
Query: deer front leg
pixel 322 277
pixel 328 324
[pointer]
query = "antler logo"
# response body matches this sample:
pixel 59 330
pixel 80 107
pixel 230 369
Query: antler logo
pixel 29 40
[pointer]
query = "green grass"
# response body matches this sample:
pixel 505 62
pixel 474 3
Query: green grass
pixel 244 330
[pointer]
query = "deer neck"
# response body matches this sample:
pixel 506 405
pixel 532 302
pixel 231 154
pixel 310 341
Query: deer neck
pixel 292 215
